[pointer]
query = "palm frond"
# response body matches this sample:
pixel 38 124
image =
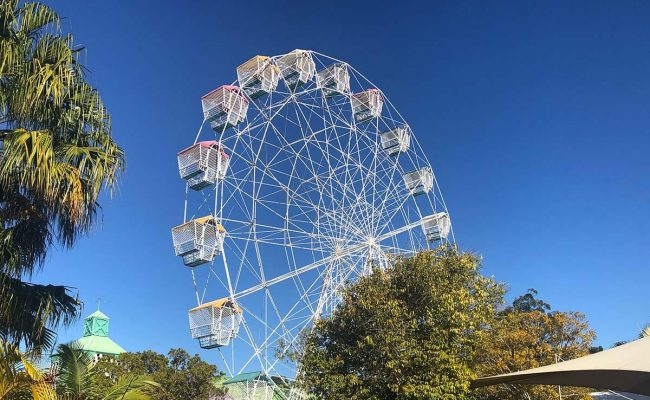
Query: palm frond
pixel 35 16
pixel 20 379
pixel 24 234
pixel 67 180
pixel 28 311
pixel 74 374
pixel 131 387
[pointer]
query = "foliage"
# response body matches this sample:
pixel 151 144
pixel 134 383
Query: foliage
pixel 27 309
pixel 409 332
pixel 19 377
pixel 524 337
pixel 76 377
pixel 595 349
pixel 528 303
pixel 56 155
pixel 179 375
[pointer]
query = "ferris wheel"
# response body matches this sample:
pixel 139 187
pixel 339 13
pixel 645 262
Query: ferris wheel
pixel 302 177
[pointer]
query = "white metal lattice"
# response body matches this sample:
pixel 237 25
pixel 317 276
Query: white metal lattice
pixel 315 192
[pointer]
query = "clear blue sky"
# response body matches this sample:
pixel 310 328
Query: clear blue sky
pixel 534 117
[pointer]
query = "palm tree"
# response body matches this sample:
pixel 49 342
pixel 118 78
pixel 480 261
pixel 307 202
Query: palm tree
pixel 19 378
pixel 75 379
pixel 56 156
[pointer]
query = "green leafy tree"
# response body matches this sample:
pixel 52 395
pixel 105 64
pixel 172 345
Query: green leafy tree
pixel 595 349
pixel 56 156
pixel 180 376
pixel 409 332
pixel 76 377
pixel 529 335
pixel 528 303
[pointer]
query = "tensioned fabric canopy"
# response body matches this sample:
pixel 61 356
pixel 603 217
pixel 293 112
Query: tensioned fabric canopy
pixel 625 368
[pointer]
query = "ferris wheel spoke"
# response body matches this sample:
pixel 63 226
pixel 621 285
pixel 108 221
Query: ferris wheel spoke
pixel 316 264
pixel 280 330
pixel 310 201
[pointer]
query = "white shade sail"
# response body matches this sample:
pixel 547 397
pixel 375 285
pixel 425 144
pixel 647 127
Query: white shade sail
pixel 625 368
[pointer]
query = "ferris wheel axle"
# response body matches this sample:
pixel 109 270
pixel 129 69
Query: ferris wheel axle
pixel 336 256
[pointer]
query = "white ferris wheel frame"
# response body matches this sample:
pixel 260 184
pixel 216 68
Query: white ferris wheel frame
pixel 334 248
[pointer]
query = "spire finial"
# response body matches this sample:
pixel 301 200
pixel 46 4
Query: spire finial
pixel 99 302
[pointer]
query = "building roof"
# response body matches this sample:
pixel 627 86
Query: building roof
pixel 98 344
pixel 97 314
pixel 95 336
pixel 257 375
pixel 245 376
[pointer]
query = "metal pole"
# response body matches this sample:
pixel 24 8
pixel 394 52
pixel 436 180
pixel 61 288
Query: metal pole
pixel 559 388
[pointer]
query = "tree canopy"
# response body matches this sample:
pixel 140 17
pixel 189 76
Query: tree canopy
pixel 76 377
pixel 179 375
pixel 409 332
pixel 528 334
pixel 56 156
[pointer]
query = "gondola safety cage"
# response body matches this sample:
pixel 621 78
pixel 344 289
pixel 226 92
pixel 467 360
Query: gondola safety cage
pixel 224 107
pixel 216 323
pixel 334 80
pixel 396 141
pixel 258 76
pixel 436 226
pixel 198 241
pixel 367 104
pixel 419 181
pixel 297 68
pixel 202 164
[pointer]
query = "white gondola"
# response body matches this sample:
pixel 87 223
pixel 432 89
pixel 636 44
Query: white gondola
pixel 224 107
pixel 367 104
pixel 198 241
pixel 258 76
pixel 297 68
pixel 436 227
pixel 202 164
pixel 334 80
pixel 216 323
pixel 297 394
pixel 396 140
pixel 419 181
